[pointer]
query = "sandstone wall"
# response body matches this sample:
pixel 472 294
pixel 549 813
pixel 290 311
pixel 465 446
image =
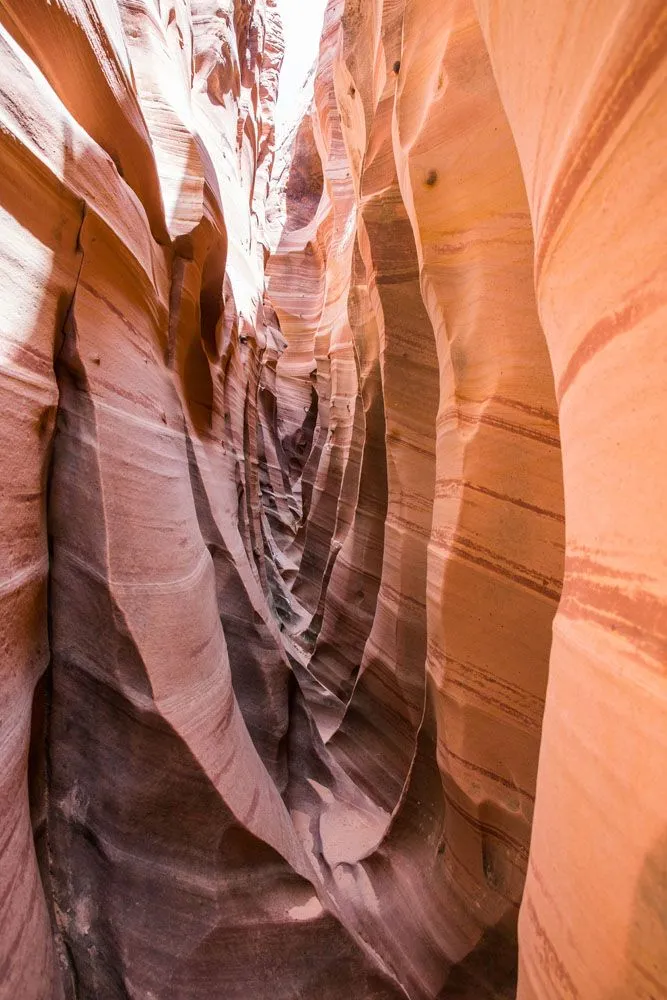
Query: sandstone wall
pixel 138 645
pixel 505 292
pixel 284 518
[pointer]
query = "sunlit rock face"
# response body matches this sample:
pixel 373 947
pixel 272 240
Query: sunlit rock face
pixel 318 464
pixel 416 407
pixel 481 283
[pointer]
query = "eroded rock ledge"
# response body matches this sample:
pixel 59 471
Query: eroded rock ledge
pixel 314 469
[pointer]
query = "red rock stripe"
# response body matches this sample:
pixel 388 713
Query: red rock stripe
pixel 647 50
pixel 515 501
pixel 603 332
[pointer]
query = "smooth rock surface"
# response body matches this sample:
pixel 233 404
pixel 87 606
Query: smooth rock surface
pixel 332 519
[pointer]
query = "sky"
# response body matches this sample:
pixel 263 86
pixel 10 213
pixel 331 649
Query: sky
pixel 302 24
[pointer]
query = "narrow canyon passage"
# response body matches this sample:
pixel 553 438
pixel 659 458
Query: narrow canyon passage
pixel 333 588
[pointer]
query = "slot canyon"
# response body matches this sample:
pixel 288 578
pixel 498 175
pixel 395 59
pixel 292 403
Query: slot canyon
pixel 333 502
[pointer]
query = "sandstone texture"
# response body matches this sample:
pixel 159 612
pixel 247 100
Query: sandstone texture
pixel 333 531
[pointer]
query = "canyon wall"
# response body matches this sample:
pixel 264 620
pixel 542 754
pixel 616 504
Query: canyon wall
pixel 330 503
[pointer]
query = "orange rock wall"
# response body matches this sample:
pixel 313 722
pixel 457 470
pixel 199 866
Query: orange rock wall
pixel 427 657
pixel 300 450
pixel 146 845
pixel 504 294
pixel 587 106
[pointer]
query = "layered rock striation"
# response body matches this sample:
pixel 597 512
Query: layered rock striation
pixel 331 503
